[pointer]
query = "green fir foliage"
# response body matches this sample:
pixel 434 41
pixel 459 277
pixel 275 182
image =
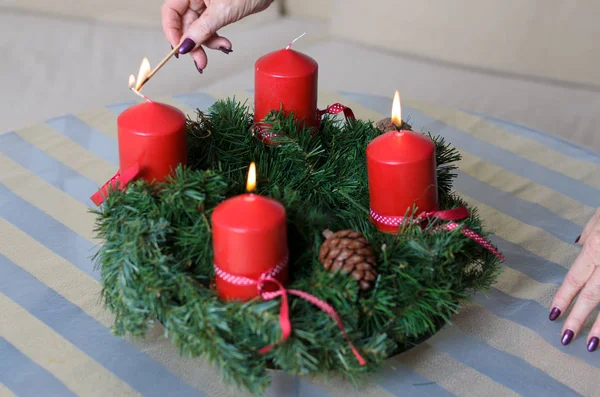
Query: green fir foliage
pixel 156 260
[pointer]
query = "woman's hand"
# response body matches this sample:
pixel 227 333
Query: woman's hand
pixel 195 23
pixel 582 279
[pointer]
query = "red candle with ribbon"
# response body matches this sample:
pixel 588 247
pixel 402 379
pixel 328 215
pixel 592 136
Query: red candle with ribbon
pixel 402 174
pixel 249 239
pixel 152 140
pixel 287 80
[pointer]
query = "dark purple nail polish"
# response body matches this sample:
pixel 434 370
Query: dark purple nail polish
pixel 567 337
pixel 199 70
pixel 593 344
pixel 176 54
pixel 225 50
pixel 187 46
pixel 577 239
pixel 554 313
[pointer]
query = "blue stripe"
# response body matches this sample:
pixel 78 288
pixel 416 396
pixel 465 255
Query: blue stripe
pixel 501 157
pixel 554 142
pixel 400 380
pixel 25 377
pixel 536 267
pixel 119 108
pixel 84 135
pixel 48 168
pixel 534 316
pixel 287 385
pixel 506 369
pixel 196 100
pixel 527 212
pixel 118 356
pixel 48 231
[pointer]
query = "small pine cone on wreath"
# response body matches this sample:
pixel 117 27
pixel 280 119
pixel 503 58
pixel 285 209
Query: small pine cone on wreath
pixel 349 252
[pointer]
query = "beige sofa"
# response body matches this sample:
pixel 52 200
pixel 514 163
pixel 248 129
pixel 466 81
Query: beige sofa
pixel 529 61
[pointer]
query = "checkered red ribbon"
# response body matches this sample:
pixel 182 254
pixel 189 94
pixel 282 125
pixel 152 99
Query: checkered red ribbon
pixel 452 216
pixel 262 128
pixel 118 181
pixel 268 277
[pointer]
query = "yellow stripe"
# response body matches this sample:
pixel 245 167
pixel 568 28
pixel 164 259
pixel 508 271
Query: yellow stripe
pixel 491 174
pixel 522 342
pixel 452 375
pixel 102 120
pixel 69 153
pixel 83 291
pixel 49 199
pixel 526 189
pixel 4 392
pixel 530 149
pixel 58 356
pixel 240 96
pixel 531 238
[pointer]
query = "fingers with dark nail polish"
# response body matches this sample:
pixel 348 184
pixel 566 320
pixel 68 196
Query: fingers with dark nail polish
pixel 176 54
pixel 567 337
pixel 593 344
pixel 225 50
pixel 187 46
pixel 577 239
pixel 197 68
pixel 554 313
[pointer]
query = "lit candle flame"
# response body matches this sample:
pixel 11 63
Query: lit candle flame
pixel 396 110
pixel 142 74
pixel 251 182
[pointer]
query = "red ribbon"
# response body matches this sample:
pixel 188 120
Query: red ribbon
pixel 284 313
pixel 119 181
pixel 262 128
pixel 451 215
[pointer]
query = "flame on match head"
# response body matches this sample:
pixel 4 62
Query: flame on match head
pixel 251 182
pixel 396 110
pixel 142 74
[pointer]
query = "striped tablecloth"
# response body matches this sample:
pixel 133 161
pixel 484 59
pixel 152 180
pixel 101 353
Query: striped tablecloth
pixel 533 190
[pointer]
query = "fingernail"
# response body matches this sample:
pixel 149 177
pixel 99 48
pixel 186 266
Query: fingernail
pixel 225 50
pixel 593 344
pixel 554 313
pixel 176 54
pixel 199 70
pixel 187 46
pixel 567 337
pixel 577 239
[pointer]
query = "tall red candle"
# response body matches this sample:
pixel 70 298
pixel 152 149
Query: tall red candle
pixel 401 169
pixel 249 238
pixel 287 80
pixel 153 135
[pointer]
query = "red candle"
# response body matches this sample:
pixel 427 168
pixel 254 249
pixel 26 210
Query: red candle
pixel 152 135
pixel 249 238
pixel 287 80
pixel 401 169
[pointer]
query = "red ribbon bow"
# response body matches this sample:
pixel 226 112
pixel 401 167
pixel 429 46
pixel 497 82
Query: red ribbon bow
pixel 262 128
pixel 119 181
pixel 451 215
pixel 284 313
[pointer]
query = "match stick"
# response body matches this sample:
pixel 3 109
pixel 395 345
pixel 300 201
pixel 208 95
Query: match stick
pixel 161 64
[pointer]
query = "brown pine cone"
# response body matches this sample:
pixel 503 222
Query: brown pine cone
pixel 349 252
pixel 386 125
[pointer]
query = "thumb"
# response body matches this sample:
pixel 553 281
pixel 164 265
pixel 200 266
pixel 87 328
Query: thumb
pixel 202 29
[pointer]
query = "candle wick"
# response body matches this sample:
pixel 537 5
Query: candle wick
pixel 295 40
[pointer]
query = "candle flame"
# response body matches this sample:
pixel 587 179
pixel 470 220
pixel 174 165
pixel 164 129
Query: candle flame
pixel 142 74
pixel 131 81
pixel 396 110
pixel 251 182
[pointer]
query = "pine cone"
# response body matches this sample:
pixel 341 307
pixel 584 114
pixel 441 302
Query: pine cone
pixel 349 252
pixel 386 125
